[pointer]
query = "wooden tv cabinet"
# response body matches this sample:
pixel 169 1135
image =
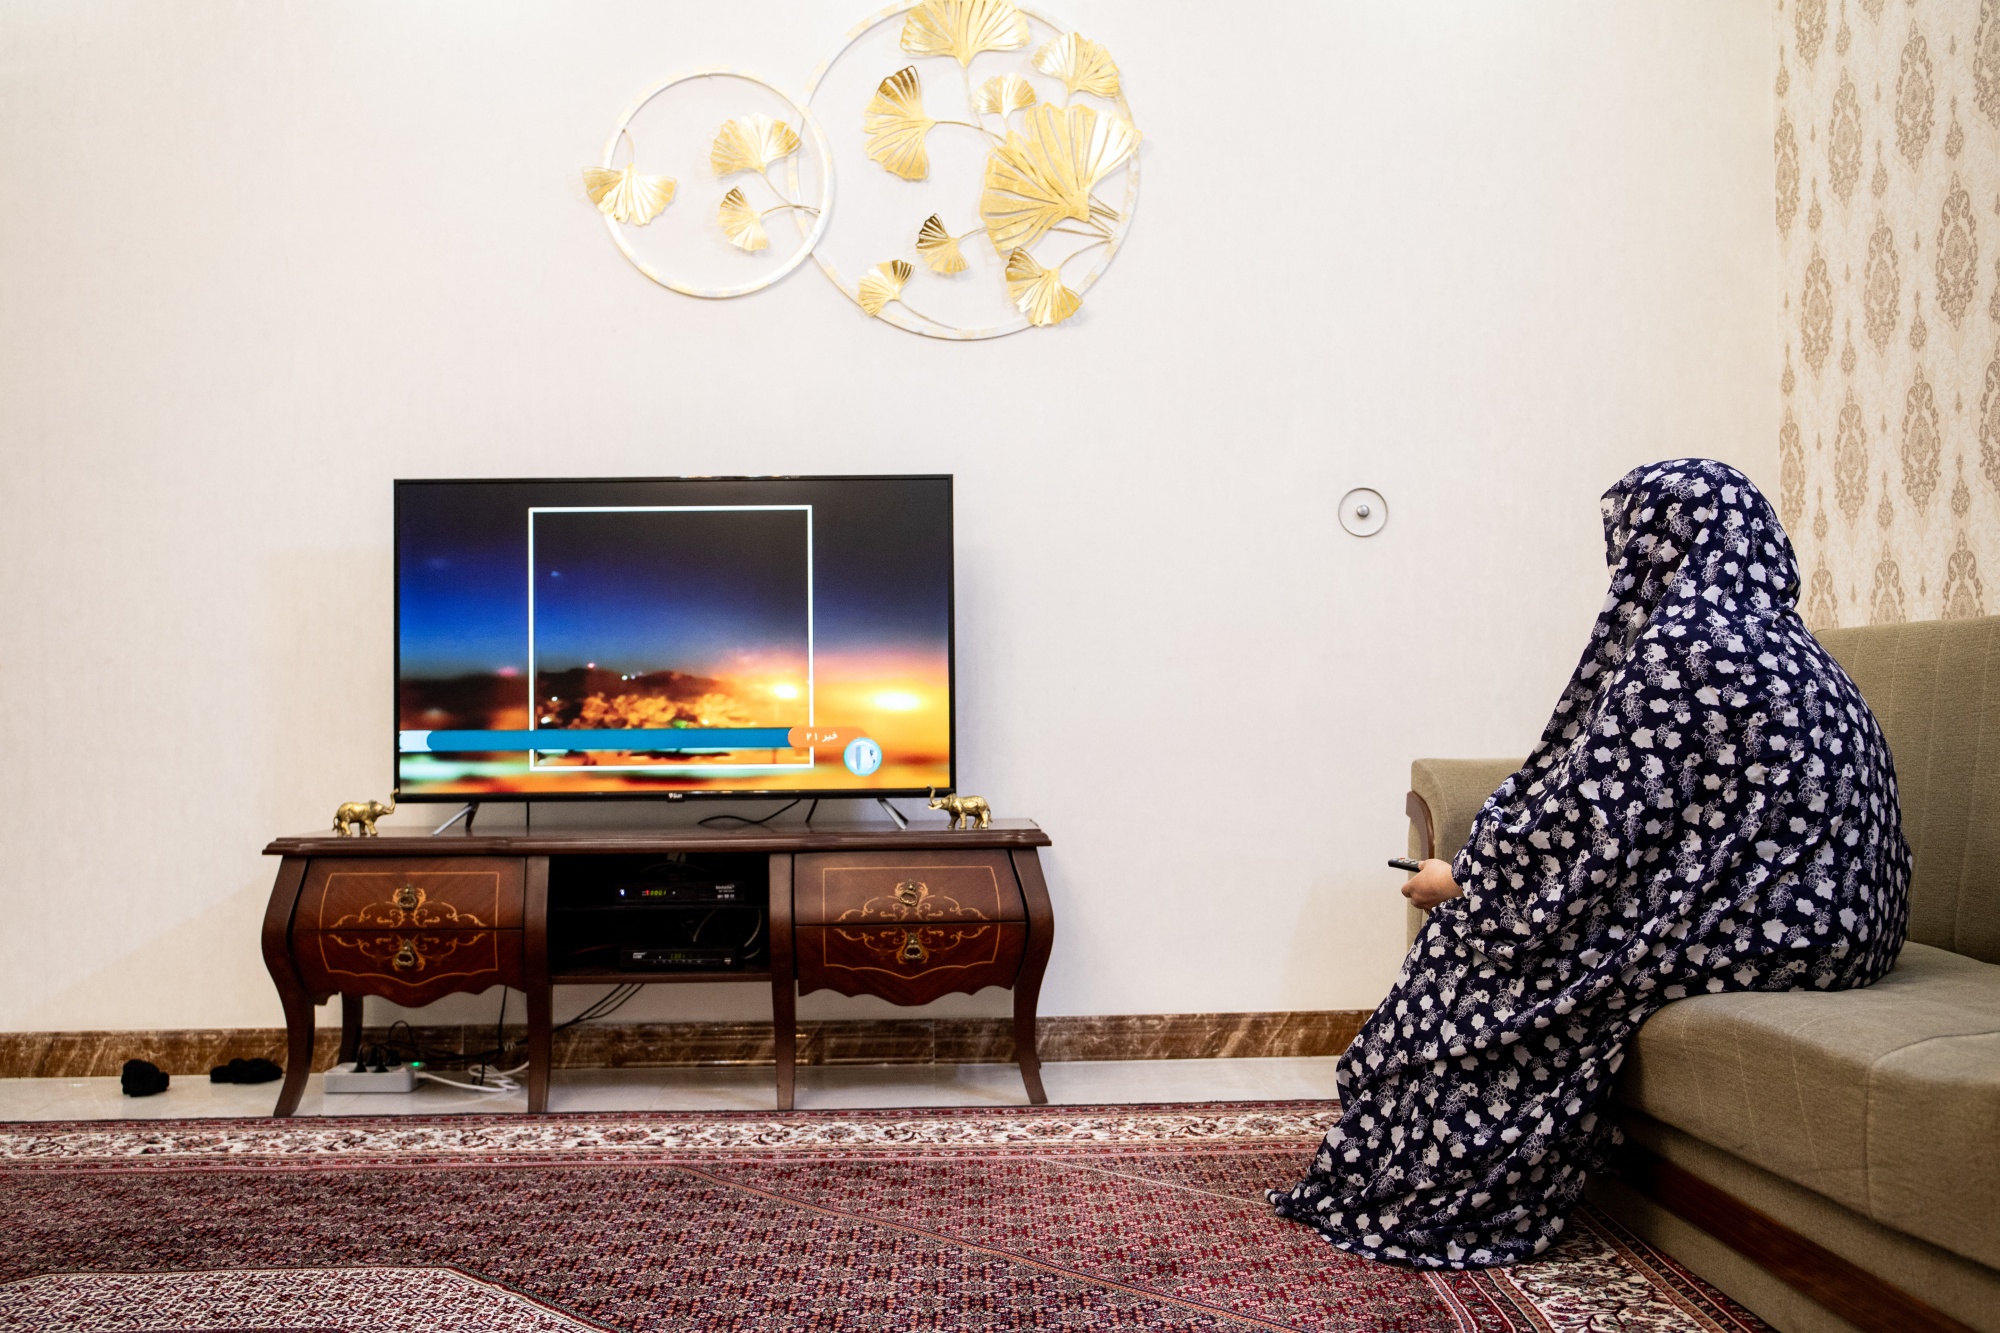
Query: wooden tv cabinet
pixel 905 914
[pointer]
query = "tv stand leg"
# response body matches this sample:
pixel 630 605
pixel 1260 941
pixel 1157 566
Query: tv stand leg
pixel 784 981
pixel 902 820
pixel 300 1029
pixel 1034 964
pixel 350 1026
pixel 300 1024
pixel 541 993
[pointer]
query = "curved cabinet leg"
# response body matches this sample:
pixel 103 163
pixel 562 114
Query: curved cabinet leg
pixel 541 994
pixel 540 1007
pixel 1034 963
pixel 300 1023
pixel 784 982
pixel 300 1029
pixel 350 1025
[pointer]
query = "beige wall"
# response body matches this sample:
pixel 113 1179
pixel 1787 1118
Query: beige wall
pixel 1887 155
pixel 256 260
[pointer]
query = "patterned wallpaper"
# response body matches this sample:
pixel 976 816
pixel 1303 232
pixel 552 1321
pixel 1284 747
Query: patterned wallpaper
pixel 1888 213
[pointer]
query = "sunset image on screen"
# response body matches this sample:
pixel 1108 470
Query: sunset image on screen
pixel 683 644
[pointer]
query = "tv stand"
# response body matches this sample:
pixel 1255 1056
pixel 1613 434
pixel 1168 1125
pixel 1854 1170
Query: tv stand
pixel 906 914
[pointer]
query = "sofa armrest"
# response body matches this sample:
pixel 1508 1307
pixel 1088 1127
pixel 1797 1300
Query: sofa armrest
pixel 1445 795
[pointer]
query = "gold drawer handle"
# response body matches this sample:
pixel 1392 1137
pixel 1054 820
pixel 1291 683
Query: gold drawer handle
pixel 405 956
pixel 406 898
pixel 913 948
pixel 910 892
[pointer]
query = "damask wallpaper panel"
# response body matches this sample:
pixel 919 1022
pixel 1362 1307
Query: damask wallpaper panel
pixel 1887 206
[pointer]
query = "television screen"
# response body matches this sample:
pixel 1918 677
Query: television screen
pixel 703 636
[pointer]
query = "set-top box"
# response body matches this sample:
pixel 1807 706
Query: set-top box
pixel 687 892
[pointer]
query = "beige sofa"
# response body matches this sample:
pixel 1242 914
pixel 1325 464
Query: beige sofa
pixel 1833 1160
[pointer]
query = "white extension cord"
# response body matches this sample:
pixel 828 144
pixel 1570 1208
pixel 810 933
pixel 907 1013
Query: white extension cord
pixel 501 1081
pixel 348 1078
pixel 353 1077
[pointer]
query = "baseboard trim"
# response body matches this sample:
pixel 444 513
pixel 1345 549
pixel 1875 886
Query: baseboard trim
pixel 918 1041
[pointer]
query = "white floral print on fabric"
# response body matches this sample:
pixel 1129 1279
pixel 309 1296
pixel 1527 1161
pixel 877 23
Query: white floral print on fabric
pixel 1711 808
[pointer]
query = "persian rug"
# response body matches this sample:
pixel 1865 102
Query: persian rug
pixel 1129 1217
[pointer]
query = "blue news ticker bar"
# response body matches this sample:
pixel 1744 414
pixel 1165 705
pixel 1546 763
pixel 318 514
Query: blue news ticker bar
pixel 643 739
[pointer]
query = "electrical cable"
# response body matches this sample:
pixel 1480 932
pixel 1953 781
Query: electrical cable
pixel 603 1007
pixel 719 821
pixel 502 1084
pixel 499 1034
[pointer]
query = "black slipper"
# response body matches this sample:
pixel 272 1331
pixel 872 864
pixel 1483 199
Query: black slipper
pixel 254 1070
pixel 142 1078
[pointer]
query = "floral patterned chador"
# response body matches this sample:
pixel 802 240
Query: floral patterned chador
pixel 1711 808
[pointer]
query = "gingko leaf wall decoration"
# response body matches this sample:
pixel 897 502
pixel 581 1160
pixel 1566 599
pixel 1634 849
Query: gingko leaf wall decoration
pixel 742 224
pixel 883 284
pixel 895 124
pixel 1081 64
pixel 980 110
pixel 1004 94
pixel 751 144
pixel 939 248
pixel 626 196
pixel 962 29
pixel 1039 291
pixel 1037 180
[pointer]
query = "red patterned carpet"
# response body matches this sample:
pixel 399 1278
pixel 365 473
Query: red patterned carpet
pixel 1050 1218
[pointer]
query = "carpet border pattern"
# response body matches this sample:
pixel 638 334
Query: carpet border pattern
pixel 387 1299
pixel 657 1136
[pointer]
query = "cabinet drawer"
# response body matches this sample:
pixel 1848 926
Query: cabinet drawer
pixel 909 964
pixel 440 894
pixel 836 888
pixel 410 967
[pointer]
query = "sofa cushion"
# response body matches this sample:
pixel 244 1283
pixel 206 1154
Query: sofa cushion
pixel 1935 688
pixel 1886 1099
pixel 1453 790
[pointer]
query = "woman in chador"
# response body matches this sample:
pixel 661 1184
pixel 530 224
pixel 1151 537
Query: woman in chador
pixel 1711 808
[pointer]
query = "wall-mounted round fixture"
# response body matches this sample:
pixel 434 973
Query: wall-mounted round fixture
pixel 1363 511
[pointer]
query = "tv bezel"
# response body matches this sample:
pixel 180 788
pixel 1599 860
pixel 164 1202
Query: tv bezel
pixel 763 794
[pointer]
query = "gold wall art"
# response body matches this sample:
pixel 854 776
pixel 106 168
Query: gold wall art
pixel 750 145
pixel 989 160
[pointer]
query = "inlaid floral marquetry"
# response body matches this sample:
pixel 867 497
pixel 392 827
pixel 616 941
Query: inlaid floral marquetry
pixel 909 926
pixel 406 953
pixel 912 963
pixel 409 965
pixel 853 888
pixel 410 929
pixel 410 907
pixel 912 947
pixel 411 899
pixel 912 900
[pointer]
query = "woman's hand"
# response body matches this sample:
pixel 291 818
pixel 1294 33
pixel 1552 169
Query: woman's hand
pixel 1431 885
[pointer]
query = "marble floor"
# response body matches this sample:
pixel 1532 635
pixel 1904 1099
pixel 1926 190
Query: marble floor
pixel 820 1088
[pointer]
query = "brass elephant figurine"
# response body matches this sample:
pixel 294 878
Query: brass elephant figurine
pixel 965 811
pixel 362 813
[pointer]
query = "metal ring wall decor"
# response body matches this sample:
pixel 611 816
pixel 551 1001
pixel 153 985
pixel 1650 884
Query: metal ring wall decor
pixel 1044 159
pixel 750 143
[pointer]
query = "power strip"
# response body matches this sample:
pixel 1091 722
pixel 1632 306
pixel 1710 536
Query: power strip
pixel 346 1078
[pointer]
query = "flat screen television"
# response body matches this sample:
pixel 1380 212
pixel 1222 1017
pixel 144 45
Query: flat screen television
pixel 710 636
